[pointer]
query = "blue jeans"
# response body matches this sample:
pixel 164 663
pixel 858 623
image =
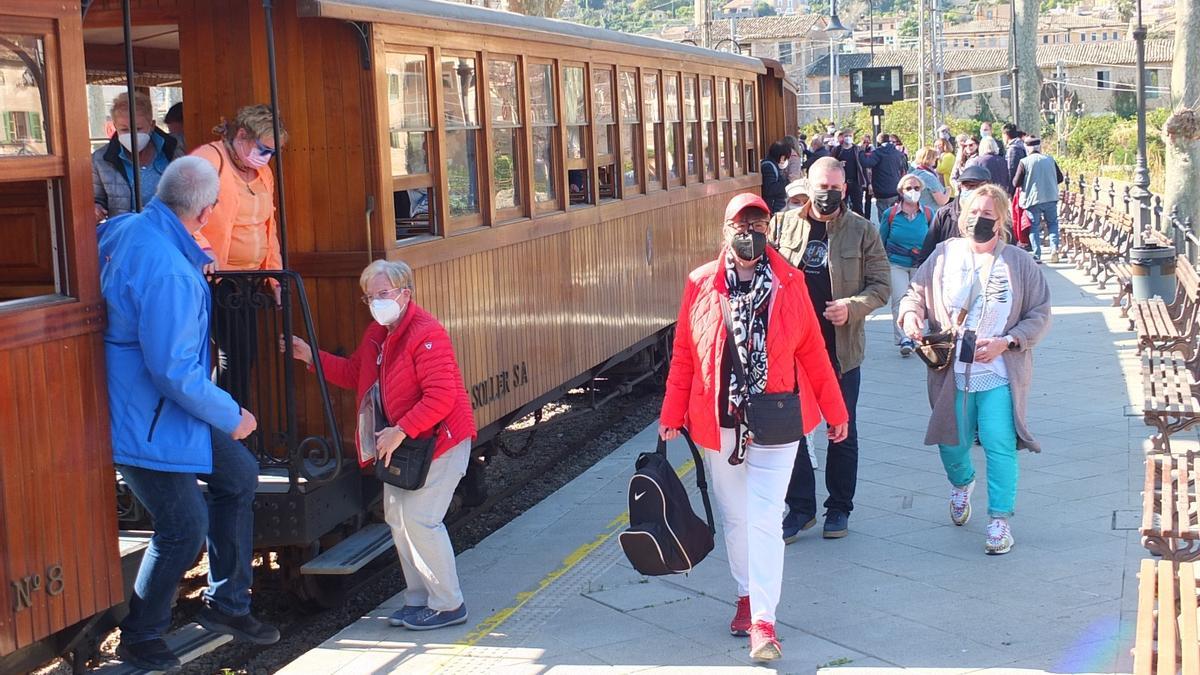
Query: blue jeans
pixel 183 517
pixel 841 463
pixel 991 412
pixel 1037 213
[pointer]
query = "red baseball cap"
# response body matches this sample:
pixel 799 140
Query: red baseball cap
pixel 745 201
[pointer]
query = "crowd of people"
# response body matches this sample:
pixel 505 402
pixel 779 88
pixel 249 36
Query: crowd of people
pixel 950 237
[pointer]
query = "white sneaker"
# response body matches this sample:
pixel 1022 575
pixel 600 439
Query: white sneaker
pixel 999 537
pixel 960 503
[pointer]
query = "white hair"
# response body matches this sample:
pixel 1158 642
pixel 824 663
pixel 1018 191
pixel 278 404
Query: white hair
pixel 398 273
pixel 988 146
pixel 188 186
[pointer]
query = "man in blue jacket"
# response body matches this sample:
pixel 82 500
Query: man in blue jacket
pixel 170 424
pixel 887 165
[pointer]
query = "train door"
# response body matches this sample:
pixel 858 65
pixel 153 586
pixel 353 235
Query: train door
pixel 59 560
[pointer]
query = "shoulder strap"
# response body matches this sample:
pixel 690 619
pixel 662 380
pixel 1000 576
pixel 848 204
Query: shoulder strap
pixel 928 214
pixel 701 480
pixel 891 213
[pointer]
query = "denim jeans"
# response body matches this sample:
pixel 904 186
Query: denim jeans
pixel 183 517
pixel 841 462
pixel 1037 213
pixel 991 412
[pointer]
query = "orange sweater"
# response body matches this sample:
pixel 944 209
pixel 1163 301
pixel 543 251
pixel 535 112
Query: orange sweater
pixel 216 236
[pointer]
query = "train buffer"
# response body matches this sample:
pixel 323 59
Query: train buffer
pixel 552 592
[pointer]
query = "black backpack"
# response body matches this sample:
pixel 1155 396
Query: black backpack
pixel 665 536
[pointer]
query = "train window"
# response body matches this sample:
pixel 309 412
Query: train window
pixel 630 133
pixel 652 122
pixel 706 128
pixel 723 163
pixel 409 131
pixel 739 134
pixel 575 119
pixel 751 129
pixel 23 91
pixel 507 138
pixel 689 126
pixel 673 132
pixel 544 120
pixel 604 116
pixel 460 115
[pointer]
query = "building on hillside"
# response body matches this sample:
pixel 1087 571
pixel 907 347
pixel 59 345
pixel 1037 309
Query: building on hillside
pixel 977 80
pixel 1052 30
pixel 885 31
pixel 736 9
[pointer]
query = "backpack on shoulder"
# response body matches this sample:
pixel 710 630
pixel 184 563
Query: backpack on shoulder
pixel 665 535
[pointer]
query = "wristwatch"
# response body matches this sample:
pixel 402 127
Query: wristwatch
pixel 1012 342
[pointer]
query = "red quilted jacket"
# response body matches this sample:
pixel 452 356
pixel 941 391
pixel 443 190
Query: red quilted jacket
pixel 422 385
pixel 794 348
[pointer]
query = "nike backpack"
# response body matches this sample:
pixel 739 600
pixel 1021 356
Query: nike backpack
pixel 665 536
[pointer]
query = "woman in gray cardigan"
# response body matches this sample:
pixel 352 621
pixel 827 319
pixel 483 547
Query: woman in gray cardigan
pixel 993 295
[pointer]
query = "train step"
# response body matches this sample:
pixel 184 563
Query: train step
pixel 352 553
pixel 189 643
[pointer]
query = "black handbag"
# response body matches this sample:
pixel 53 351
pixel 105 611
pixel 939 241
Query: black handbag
pixel 773 419
pixel 937 350
pixel 409 465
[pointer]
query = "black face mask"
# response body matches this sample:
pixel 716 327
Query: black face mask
pixel 827 202
pixel 749 245
pixel 983 229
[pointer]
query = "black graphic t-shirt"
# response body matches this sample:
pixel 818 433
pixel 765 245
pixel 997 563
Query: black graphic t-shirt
pixel 815 265
pixel 727 420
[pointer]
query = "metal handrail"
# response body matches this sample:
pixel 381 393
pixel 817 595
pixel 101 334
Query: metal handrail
pixel 247 324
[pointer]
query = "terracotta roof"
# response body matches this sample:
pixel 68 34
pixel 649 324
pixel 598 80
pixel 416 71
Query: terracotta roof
pixel 990 60
pixel 764 27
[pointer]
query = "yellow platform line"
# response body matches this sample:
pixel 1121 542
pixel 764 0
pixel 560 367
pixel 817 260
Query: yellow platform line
pixel 497 619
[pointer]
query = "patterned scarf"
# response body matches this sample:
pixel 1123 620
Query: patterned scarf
pixel 748 312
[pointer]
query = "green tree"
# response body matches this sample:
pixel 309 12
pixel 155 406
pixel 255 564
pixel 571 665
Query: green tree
pixel 908 28
pixel 763 8
pixel 1124 102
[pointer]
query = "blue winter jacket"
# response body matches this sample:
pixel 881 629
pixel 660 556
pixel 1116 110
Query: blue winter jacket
pixel 162 404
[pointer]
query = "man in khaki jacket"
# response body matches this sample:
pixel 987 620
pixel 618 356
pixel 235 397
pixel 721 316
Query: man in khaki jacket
pixel 846 270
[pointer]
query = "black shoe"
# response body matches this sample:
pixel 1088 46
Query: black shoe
pixel 837 524
pixel 148 655
pixel 244 627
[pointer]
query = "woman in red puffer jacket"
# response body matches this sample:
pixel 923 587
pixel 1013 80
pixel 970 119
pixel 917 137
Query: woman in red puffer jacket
pixel 778 341
pixel 408 351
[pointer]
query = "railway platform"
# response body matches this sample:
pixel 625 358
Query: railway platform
pixel 906 591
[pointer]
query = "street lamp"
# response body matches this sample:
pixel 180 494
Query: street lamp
pixel 835 30
pixel 1141 174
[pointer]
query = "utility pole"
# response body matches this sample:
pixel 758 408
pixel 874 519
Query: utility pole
pixel 832 81
pixel 1060 119
pixel 1012 59
pixel 921 73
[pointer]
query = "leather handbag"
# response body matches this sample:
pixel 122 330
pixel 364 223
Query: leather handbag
pixel 409 465
pixel 937 349
pixel 773 419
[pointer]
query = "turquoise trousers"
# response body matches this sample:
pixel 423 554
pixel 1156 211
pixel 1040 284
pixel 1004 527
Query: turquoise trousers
pixel 991 413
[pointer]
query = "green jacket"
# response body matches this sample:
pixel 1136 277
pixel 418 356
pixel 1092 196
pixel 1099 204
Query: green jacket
pixel 858 269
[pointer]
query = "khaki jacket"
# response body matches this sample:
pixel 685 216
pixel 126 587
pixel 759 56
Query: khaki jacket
pixel 858 269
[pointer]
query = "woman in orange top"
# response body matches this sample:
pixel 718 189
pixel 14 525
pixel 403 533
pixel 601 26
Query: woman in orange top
pixel 241 235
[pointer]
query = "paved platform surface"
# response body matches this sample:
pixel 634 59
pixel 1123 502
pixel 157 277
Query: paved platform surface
pixel 905 592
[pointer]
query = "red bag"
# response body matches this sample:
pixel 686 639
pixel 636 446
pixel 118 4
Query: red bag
pixel 1020 219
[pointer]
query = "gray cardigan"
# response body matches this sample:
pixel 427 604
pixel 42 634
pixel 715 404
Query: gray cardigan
pixel 1028 322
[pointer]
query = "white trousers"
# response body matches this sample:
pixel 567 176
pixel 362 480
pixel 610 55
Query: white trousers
pixel 750 501
pixel 415 516
pixel 901 278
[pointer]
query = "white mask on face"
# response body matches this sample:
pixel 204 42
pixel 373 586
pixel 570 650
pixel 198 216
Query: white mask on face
pixel 126 140
pixel 385 311
pixel 965 195
pixel 912 196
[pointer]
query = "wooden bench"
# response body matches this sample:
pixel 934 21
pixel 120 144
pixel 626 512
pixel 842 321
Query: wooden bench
pixel 1109 241
pixel 1170 522
pixel 1166 639
pixel 1170 404
pixel 1163 327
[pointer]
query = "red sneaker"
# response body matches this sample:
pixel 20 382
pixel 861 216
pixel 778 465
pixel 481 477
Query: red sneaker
pixel 740 626
pixel 763 645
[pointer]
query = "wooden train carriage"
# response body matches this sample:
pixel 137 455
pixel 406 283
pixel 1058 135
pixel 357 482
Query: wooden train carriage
pixel 59 564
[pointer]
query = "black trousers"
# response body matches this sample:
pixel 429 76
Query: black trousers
pixel 841 463
pixel 854 196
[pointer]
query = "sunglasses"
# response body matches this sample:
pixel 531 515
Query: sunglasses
pixel 264 150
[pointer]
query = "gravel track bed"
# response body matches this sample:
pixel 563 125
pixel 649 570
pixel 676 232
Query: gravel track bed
pixel 594 435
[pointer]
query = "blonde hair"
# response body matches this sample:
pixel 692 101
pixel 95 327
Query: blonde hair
pixel 1000 203
pixel 397 272
pixel 926 156
pixel 988 146
pixel 257 122
pixel 141 104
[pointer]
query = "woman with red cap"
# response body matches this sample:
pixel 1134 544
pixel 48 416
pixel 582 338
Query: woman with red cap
pixel 774 351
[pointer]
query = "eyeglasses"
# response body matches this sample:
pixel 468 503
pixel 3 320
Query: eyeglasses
pixel 389 294
pixel 755 225
pixel 911 188
pixel 264 150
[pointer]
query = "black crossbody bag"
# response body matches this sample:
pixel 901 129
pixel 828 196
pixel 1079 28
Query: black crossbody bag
pixel 409 465
pixel 773 419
